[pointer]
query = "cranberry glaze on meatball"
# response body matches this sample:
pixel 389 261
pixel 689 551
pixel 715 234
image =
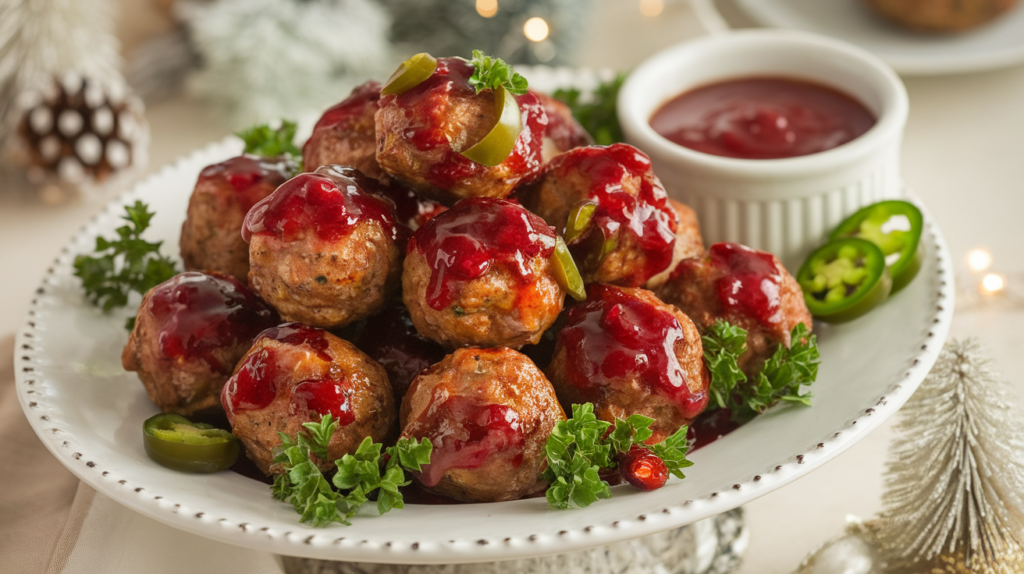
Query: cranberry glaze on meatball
pixel 420 134
pixel 630 234
pixel 189 333
pixel 746 287
pixel 345 134
pixel 628 353
pixel 563 132
pixel 295 374
pixel 488 413
pixel 480 275
pixel 211 238
pixel 324 250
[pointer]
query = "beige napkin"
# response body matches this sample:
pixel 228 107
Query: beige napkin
pixel 50 523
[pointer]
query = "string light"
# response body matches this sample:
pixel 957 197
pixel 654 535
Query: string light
pixel 979 259
pixel 992 284
pixel 487 8
pixel 651 8
pixel 536 29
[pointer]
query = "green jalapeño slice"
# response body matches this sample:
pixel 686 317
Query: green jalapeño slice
pixel 566 273
pixel 501 140
pixel 579 218
pixel 844 279
pixel 176 442
pixel 410 74
pixel 895 227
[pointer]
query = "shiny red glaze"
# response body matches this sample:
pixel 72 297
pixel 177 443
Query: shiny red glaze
pixel 331 202
pixel 750 283
pixel 254 386
pixel 426 107
pixel 709 427
pixel 762 118
pixel 412 210
pixel 643 469
pixel 325 396
pixel 391 339
pixel 613 335
pixel 353 106
pixel 462 243
pixel 299 335
pixel 647 216
pixel 466 432
pixel 244 172
pixel 199 313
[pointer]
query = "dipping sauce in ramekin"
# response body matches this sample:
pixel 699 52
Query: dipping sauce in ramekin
pixel 762 118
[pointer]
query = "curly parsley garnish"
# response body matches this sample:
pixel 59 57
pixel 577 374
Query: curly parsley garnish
pixel 123 265
pixel 780 377
pixel 491 73
pixel 579 448
pixel 358 478
pixel 597 113
pixel 268 142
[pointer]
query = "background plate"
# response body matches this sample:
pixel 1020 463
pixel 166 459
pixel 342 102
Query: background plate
pixel 89 412
pixel 995 45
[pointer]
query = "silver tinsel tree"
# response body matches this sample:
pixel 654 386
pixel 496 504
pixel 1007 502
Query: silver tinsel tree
pixel 955 479
pixel 264 59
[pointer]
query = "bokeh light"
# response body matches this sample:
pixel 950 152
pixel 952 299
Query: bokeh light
pixel 487 8
pixel 536 29
pixel 651 8
pixel 993 283
pixel 979 259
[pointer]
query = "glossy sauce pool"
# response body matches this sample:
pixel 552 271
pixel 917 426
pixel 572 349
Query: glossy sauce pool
pixel 762 118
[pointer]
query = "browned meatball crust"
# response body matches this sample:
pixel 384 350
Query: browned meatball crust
pixel 296 374
pixel 488 413
pixel 688 242
pixel 480 275
pixel 323 250
pixel 189 333
pixel 629 235
pixel 421 133
pixel 746 287
pixel 211 237
pixel 345 134
pixel 563 132
pixel 628 353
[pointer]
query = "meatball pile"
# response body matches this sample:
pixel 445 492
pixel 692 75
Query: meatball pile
pixel 403 288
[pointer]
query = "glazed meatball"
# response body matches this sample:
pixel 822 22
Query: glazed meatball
pixel 480 275
pixel 391 339
pixel 211 238
pixel 746 287
pixel 628 353
pixel 688 242
pixel 296 374
pixel 345 135
pixel 488 413
pixel 411 208
pixel 421 133
pixel 323 249
pixel 189 333
pixel 563 132
pixel 630 235
pixel 942 15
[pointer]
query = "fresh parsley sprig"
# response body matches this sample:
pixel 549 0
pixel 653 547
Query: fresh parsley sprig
pixel 124 265
pixel 358 478
pixel 268 142
pixel 780 378
pixel 596 113
pixel 578 449
pixel 491 73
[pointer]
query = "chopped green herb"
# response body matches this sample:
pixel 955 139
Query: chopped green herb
pixel 491 73
pixel 268 142
pixel 597 113
pixel 124 265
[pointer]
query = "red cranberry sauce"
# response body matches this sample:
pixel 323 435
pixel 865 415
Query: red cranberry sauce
pixel 462 243
pixel 251 176
pixel 256 383
pixel 710 426
pixel 391 339
pixel 428 109
pixel 647 216
pixel 466 433
pixel 362 101
pixel 200 313
pixel 331 201
pixel 642 468
pixel 411 209
pixel 325 396
pixel 614 334
pixel 749 281
pixel 562 129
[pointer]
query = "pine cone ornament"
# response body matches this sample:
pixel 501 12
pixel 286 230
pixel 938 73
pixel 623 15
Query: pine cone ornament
pixel 78 132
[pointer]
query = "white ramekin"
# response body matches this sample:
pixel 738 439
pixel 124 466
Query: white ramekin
pixel 786 206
